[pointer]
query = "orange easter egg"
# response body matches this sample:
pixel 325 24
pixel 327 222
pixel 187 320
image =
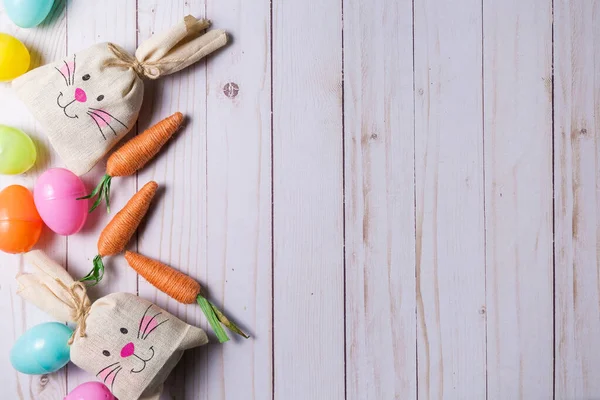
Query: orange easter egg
pixel 20 222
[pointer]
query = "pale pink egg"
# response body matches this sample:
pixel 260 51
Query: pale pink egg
pixel 55 195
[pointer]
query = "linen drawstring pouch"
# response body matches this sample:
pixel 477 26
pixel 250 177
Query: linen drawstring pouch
pixel 87 102
pixel 128 343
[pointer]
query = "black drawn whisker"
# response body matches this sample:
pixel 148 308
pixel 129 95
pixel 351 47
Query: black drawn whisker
pixel 110 115
pixel 105 368
pixel 111 372
pixel 115 379
pixel 63 75
pixel 73 68
pixel 68 71
pixel 105 121
pixel 142 320
pixel 148 324
pixel 98 125
pixel 152 330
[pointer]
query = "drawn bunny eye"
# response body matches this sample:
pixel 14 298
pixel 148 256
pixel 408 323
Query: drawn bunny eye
pixel 100 98
pixel 86 77
pixel 124 331
pixel 106 353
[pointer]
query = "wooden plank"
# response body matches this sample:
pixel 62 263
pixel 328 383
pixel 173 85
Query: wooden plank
pixel 45 43
pixel 308 200
pixel 239 197
pixel 379 176
pixel 175 229
pixel 88 24
pixel 449 200
pixel 518 175
pixel 577 197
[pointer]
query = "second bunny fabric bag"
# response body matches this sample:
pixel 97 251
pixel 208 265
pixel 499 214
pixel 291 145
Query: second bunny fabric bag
pixel 88 101
pixel 128 343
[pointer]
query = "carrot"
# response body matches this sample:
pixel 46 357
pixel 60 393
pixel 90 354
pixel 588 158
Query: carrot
pixel 182 288
pixel 133 155
pixel 120 229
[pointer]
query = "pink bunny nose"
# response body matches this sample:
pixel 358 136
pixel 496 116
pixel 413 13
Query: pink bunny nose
pixel 127 350
pixel 80 95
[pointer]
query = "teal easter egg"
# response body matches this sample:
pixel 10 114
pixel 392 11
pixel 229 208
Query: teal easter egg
pixel 43 349
pixel 28 13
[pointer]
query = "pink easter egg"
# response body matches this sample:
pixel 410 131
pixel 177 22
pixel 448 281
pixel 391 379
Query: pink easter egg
pixel 90 391
pixel 55 195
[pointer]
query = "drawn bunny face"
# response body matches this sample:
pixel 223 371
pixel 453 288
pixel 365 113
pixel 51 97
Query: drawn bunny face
pixel 127 342
pixel 132 345
pixel 78 98
pixel 85 104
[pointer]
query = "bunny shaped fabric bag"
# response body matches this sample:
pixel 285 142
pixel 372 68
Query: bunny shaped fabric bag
pixel 128 343
pixel 88 101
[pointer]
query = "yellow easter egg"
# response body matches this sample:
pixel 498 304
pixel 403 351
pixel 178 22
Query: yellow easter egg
pixel 14 58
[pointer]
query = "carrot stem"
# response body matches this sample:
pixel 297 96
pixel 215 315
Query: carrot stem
pixel 182 288
pixel 96 274
pixel 225 321
pixel 107 193
pixel 212 318
pixel 102 191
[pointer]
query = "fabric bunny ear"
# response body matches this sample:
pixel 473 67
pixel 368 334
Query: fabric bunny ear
pixel 194 337
pixel 177 48
pixel 52 289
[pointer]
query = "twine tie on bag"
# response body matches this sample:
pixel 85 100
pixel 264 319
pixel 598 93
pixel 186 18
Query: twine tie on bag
pixel 81 306
pixel 123 59
pixel 120 75
pixel 163 54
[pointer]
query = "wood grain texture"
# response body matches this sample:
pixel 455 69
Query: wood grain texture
pixel 308 204
pixel 379 187
pixel 518 176
pixel 577 197
pixel 88 24
pixel 449 200
pixel 238 199
pixel 366 187
pixel 175 229
pixel 46 43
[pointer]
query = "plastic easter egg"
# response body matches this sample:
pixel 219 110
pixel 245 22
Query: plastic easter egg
pixel 28 13
pixel 17 151
pixel 55 195
pixel 14 58
pixel 90 391
pixel 43 349
pixel 20 223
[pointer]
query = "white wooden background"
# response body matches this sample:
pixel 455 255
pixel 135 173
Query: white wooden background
pixel 402 201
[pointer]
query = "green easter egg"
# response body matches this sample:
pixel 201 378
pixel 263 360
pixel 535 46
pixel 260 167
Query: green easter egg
pixel 17 151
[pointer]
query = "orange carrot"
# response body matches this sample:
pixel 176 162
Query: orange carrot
pixel 133 155
pixel 182 288
pixel 120 229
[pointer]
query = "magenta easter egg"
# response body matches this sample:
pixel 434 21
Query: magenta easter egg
pixel 55 195
pixel 90 391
